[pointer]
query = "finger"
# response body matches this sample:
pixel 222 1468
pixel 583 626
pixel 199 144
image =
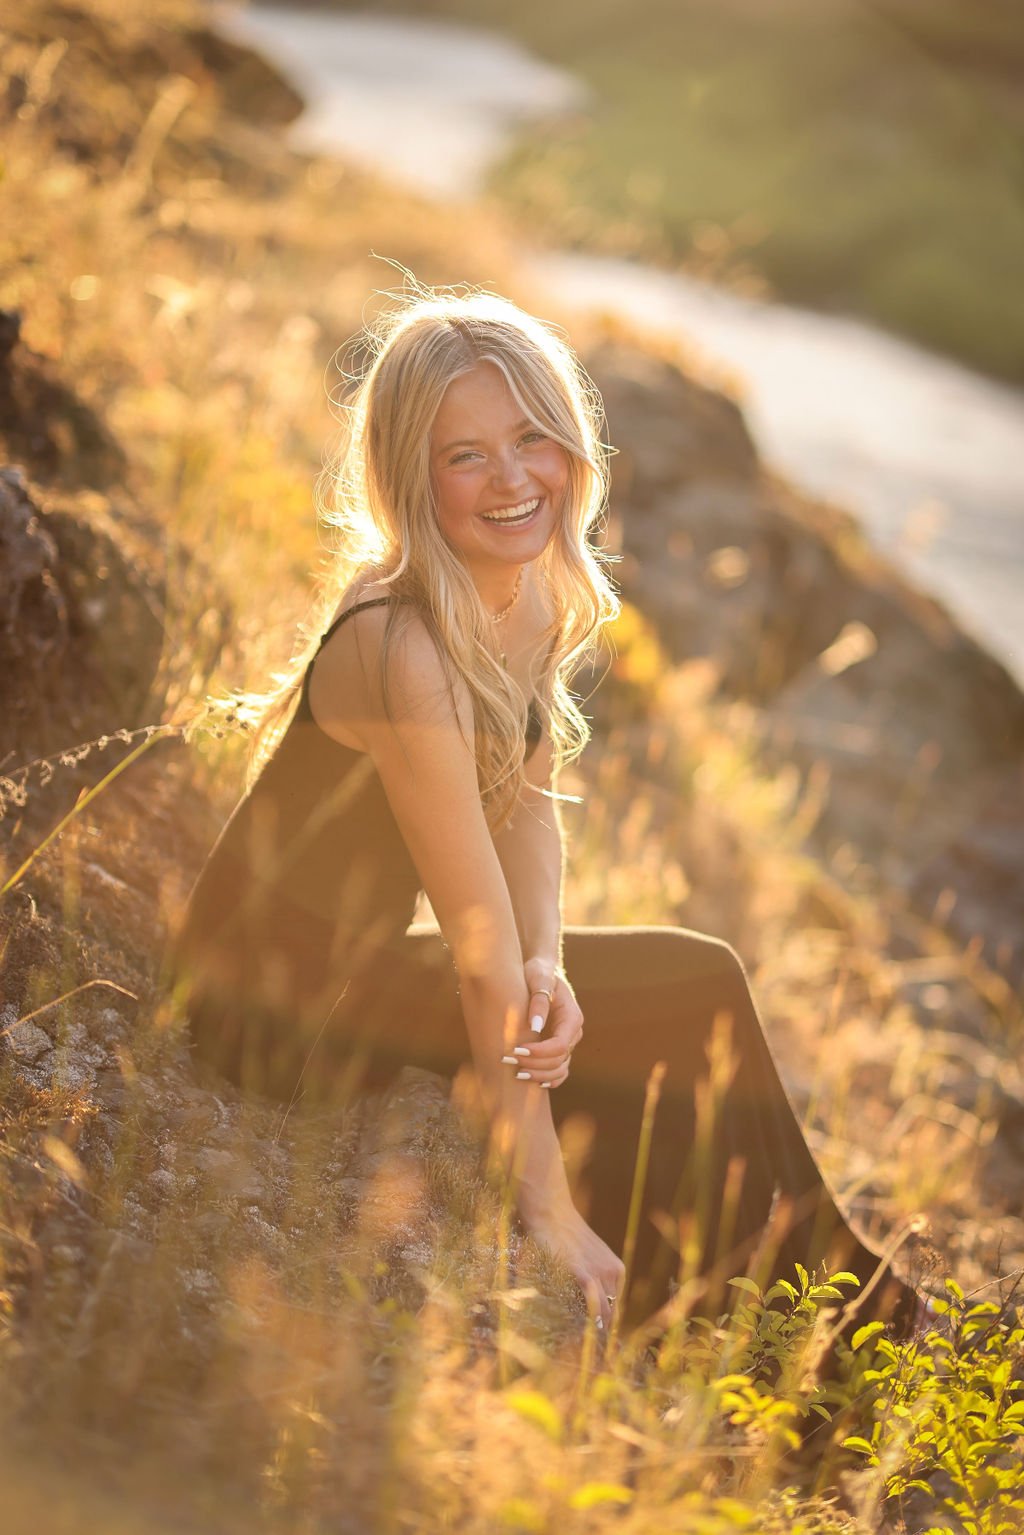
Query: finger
pixel 542 1052
pixel 563 1076
pixel 530 1072
pixel 599 1310
pixel 538 1011
pixel 564 1029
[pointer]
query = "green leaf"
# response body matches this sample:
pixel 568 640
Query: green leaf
pixel 844 1277
pixel 781 1287
pixel 860 1445
pixel 869 1330
pixel 747 1285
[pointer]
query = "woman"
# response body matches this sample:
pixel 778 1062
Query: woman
pixel 430 721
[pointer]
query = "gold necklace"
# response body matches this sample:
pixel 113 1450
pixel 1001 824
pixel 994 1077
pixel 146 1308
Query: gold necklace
pixel 506 610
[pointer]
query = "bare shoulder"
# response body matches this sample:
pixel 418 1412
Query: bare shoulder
pixel 420 686
pixel 346 691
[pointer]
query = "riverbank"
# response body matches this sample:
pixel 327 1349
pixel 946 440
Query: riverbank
pixel 859 159
pixel 922 450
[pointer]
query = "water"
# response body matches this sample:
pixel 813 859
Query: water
pixel 429 103
pixel 926 453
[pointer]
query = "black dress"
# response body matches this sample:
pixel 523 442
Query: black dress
pixel 302 981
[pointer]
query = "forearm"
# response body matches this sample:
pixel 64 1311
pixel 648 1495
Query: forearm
pixel 519 1111
pixel 531 854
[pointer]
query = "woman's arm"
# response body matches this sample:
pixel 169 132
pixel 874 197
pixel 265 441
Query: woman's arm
pixel 424 756
pixel 530 850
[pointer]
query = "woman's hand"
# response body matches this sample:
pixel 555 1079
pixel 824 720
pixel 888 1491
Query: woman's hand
pixel 598 1270
pixel 547 1060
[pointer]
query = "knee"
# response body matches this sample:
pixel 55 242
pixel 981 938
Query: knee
pixel 702 954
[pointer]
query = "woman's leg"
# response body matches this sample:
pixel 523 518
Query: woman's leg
pixel 731 1184
pixel 731 1179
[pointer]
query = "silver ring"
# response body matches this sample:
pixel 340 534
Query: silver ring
pixel 611 1299
pixel 540 991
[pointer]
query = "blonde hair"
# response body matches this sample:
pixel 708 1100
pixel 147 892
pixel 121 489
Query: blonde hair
pixel 381 510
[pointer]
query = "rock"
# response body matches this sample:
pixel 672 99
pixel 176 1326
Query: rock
pixel 975 884
pixel 24 1041
pixel 250 86
pixel 231 1174
pixel 670 431
pixel 80 631
pixel 34 622
pixel 851 668
pixel 44 426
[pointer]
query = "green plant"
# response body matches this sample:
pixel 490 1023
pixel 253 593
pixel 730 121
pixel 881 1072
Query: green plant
pixel 952 1405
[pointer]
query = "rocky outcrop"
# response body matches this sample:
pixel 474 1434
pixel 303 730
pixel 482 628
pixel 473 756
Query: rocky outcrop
pixel 975 883
pixel 123 69
pixel 82 616
pixel 44 426
pixel 80 630
pixel 851 669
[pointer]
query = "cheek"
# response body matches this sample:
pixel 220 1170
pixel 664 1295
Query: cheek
pixel 556 468
pixel 455 500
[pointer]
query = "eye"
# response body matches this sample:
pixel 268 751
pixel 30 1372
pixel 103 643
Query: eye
pixel 534 436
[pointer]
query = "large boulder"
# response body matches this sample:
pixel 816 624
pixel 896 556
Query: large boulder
pixel 853 671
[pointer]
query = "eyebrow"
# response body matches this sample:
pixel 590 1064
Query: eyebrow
pixel 474 442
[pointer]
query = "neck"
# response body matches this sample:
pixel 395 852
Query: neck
pixel 497 590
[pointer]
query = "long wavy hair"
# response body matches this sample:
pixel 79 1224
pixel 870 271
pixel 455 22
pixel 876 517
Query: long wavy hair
pixel 376 501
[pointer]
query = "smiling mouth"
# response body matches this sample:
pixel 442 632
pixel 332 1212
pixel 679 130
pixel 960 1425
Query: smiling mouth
pixel 513 519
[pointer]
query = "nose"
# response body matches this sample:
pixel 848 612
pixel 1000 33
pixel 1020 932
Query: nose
pixel 509 475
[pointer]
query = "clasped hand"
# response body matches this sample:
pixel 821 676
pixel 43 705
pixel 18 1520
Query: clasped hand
pixel 541 1056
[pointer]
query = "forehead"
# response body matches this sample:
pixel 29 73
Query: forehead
pixel 479 399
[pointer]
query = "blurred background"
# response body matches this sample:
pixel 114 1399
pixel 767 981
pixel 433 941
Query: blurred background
pixel 819 164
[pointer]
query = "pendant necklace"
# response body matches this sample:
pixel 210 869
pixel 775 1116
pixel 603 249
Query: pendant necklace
pixel 496 618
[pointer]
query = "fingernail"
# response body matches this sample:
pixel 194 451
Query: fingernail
pixel 509 1060
pixel 545 1084
pixel 521 1049
pixel 521 1074
pixel 536 1024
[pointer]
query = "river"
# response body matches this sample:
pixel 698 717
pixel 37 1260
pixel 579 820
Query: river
pixel 926 453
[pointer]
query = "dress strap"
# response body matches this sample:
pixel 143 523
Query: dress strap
pixel 370 602
pixel 533 720
pixel 357 607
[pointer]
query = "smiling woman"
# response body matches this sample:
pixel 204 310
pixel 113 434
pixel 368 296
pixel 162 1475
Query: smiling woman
pixel 511 462
pixel 403 756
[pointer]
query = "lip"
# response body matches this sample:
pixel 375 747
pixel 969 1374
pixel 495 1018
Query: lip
pixel 527 522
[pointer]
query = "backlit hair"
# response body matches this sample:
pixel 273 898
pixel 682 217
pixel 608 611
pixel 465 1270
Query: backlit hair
pixel 376 500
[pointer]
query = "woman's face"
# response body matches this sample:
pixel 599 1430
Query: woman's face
pixel 486 462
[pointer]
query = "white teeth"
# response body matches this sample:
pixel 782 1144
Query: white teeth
pixel 514 513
